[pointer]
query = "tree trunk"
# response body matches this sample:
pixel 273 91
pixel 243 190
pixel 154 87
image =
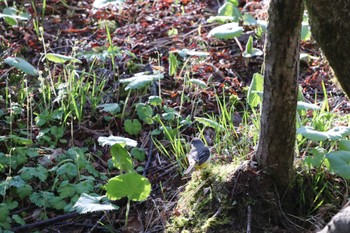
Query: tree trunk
pixel 275 151
pixel 331 28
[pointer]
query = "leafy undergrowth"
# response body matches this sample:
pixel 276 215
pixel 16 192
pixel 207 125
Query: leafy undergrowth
pixel 147 75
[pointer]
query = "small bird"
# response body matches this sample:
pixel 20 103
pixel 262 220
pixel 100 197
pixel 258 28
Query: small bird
pixel 199 155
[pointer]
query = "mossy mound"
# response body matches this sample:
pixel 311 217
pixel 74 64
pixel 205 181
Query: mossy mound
pixel 225 198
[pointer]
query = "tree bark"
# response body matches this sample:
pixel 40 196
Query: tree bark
pixel 331 28
pixel 276 146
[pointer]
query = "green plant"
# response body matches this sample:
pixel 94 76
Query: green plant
pixel 128 184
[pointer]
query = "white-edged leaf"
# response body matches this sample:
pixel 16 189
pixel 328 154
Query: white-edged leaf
pixel 140 80
pixel 305 106
pixel 332 134
pixel 111 140
pixel 87 203
pixel 312 134
pixel 198 82
pixel 13 16
pixel 58 58
pixel 226 31
pixel 188 52
pixel 262 24
pixel 21 64
pixel 254 53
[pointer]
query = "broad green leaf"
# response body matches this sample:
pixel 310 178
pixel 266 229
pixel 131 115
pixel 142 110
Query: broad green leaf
pixel 121 158
pixel 112 108
pixel 16 181
pixel 145 113
pixel 18 219
pixel 305 106
pixel 248 19
pixel 39 172
pixel 198 82
pixel 138 154
pixel 131 185
pixel 11 15
pixel 58 58
pixel 173 63
pixel 169 114
pixel 226 31
pixel 332 134
pixel 141 80
pixel 339 162
pixel 68 169
pixel 234 2
pixel 229 9
pixel 155 100
pixel 312 134
pixel 256 86
pixel 11 204
pixel 86 186
pixel 317 157
pixel 24 191
pixel 209 123
pixel 344 145
pixel 132 127
pixel 66 189
pixel 4 212
pixel 338 132
pixel 22 65
pixel 57 203
pixel 87 203
pixel 111 140
pixel 41 199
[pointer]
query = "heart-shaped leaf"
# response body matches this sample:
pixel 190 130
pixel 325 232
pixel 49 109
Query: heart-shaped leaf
pixel 132 185
pixel 339 162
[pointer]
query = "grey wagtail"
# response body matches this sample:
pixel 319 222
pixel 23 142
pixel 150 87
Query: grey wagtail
pixel 199 155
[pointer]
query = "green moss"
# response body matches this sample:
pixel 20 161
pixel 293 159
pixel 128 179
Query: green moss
pixel 204 205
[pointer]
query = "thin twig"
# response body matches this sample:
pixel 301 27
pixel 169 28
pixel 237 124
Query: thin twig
pixel 44 222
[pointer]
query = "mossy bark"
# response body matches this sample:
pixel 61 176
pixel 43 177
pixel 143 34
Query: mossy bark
pixel 331 28
pixel 275 151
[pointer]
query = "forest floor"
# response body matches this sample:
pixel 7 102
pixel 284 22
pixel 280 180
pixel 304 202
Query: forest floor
pixel 51 123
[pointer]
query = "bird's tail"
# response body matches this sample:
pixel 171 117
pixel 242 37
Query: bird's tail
pixel 189 169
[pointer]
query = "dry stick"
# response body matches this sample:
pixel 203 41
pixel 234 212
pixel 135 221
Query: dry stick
pixel 44 222
pixel 95 226
pixel 249 219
